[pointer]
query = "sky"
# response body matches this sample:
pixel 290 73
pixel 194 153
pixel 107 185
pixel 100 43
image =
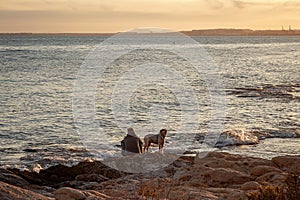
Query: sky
pixel 94 16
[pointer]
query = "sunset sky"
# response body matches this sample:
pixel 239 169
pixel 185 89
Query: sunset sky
pixel 84 16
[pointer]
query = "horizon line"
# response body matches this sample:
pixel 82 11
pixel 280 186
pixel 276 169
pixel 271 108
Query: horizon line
pixel 193 32
pixel 206 29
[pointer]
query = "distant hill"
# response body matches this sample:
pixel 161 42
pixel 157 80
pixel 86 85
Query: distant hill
pixel 240 32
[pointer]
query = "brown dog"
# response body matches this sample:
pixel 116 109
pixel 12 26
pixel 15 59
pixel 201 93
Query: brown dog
pixel 155 139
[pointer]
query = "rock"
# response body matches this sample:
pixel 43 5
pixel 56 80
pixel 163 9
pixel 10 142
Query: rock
pixel 78 184
pixel 94 195
pixel 253 162
pixel 227 193
pixel 213 177
pixel 43 190
pixel 216 155
pixel 272 178
pixel 288 163
pixel 10 178
pixel 91 178
pixel 216 175
pixel 267 91
pixel 31 177
pixel 251 185
pixel 60 173
pixel 261 170
pixel 225 177
pixel 9 192
pixel 236 162
pixel 183 192
pixel 67 193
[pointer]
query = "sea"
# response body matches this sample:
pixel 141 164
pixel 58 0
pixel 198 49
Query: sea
pixel 260 79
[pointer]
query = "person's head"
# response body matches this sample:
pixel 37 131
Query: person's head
pixel 131 132
pixel 163 132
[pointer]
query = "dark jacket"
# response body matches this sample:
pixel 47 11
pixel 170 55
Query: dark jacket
pixel 132 144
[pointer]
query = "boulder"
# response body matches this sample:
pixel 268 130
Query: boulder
pixel 67 193
pixel 253 162
pixel 288 163
pixel 272 177
pixel 226 177
pixel 251 185
pixel 213 177
pixel 235 162
pixel 262 169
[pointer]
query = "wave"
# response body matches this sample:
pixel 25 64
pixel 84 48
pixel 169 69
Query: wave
pixel 242 137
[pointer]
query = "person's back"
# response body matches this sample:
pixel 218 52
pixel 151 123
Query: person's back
pixel 131 143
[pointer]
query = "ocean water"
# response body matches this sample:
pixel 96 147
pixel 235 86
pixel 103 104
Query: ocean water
pixel 260 75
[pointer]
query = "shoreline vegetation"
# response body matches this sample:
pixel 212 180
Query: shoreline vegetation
pixel 217 175
pixel 201 32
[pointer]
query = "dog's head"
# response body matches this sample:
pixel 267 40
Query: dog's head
pixel 163 132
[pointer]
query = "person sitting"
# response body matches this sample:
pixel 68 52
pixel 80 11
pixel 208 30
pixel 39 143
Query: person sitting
pixel 131 143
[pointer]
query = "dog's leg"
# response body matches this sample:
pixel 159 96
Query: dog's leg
pixel 161 148
pixel 148 145
pixel 161 145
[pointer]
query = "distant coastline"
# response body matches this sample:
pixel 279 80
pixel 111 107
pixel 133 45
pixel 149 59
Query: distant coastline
pixel 200 32
pixel 241 32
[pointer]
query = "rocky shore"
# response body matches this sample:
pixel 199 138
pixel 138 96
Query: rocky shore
pixel 215 176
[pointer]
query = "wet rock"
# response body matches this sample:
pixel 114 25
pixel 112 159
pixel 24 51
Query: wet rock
pixel 31 177
pixel 10 178
pixel 9 192
pixel 236 137
pixel 268 91
pixel 232 138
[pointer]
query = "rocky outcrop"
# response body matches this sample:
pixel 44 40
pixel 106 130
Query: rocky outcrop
pixel 268 91
pixel 84 171
pixel 211 176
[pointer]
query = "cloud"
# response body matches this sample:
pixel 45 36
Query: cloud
pixel 215 4
pixel 291 4
pixel 239 4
